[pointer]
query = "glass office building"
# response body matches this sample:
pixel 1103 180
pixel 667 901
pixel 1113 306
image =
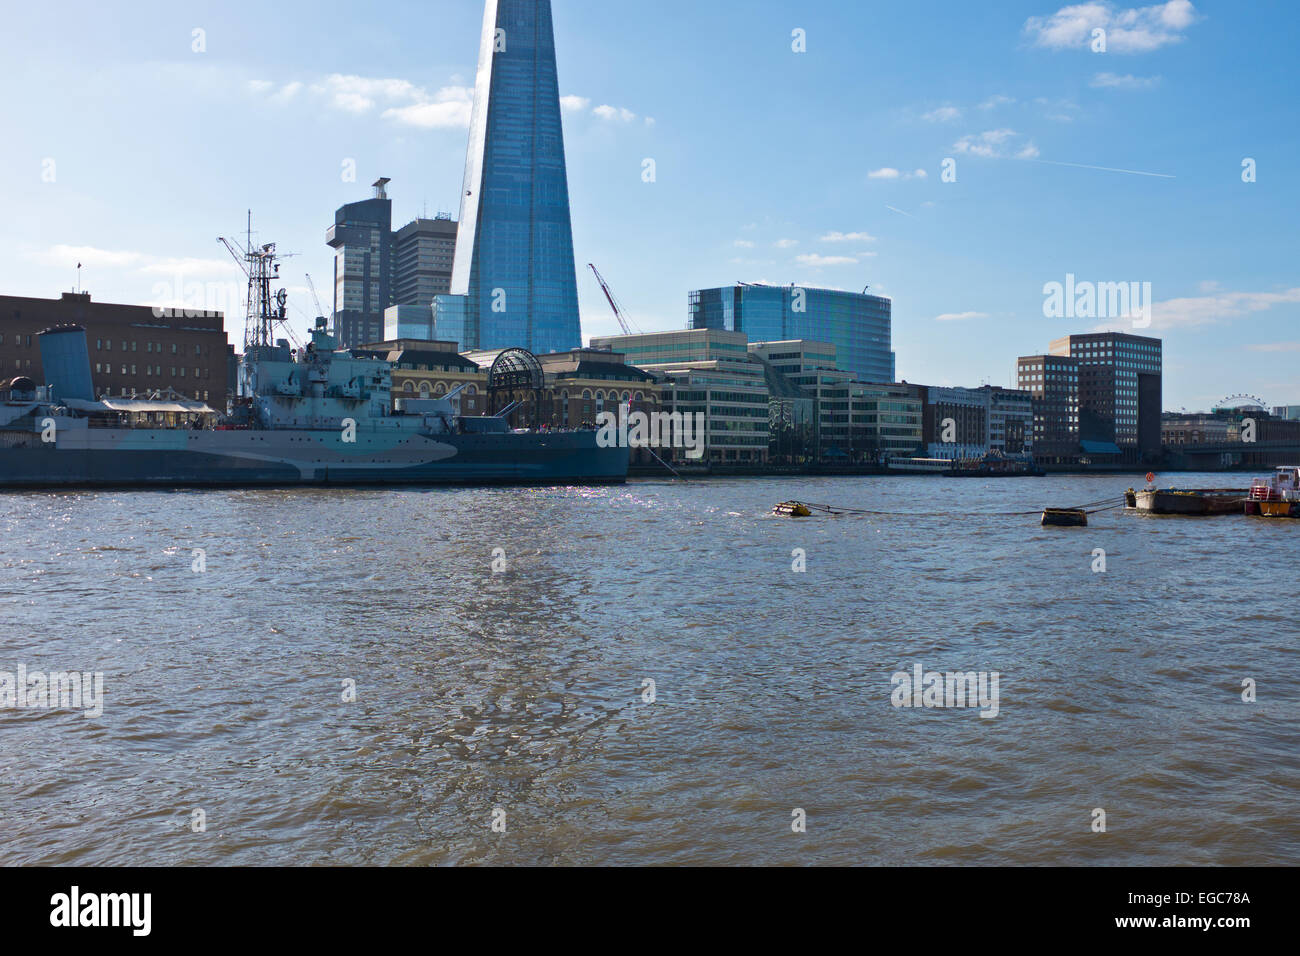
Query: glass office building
pixel 858 325
pixel 514 249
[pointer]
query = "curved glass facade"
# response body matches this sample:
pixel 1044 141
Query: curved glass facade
pixel 858 325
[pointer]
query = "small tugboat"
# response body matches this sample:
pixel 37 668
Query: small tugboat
pixel 1276 497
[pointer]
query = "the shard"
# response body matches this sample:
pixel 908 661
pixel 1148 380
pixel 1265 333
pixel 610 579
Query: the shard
pixel 514 251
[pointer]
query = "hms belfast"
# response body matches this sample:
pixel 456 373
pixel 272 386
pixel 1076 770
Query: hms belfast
pixel 314 415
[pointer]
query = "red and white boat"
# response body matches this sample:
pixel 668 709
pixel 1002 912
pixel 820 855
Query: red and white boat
pixel 1276 497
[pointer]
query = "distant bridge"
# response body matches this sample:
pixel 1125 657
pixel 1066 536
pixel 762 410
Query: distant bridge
pixel 1237 454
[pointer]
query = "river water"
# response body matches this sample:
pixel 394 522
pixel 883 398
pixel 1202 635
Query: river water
pixel 228 734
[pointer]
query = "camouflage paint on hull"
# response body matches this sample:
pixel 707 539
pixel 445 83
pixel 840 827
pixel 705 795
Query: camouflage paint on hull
pixel 128 458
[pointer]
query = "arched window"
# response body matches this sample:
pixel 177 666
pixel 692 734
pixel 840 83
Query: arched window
pixel 626 396
pixel 471 390
pixel 586 394
pixel 424 389
pixel 640 396
pixel 440 388
pixel 564 394
pixel 409 388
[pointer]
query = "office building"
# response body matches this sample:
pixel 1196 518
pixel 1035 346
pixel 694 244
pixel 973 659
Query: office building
pixel 408 322
pixel 1120 391
pixel 362 240
pixel 708 372
pixel 423 251
pixel 376 268
pixel 134 350
pixel 1053 383
pixel 857 324
pixel 975 422
pixel 513 280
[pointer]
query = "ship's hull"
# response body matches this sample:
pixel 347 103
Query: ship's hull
pixel 1273 509
pixel 1190 502
pixel 166 458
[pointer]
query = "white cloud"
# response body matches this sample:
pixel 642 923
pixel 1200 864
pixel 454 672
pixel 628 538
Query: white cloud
pixel 944 114
pixel 1131 30
pixel 189 268
pixel 399 100
pixel 993 102
pixel 995 144
pixel 619 113
pixel 959 316
pixel 1113 81
pixel 88 256
pixel 574 104
pixel 817 261
pixel 1208 309
pixel 744 244
pixel 449 108
pixel 848 237
pixel 786 243
pixel 359 94
pixel 889 172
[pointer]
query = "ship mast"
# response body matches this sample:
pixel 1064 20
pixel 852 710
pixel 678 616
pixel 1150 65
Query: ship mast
pixel 262 267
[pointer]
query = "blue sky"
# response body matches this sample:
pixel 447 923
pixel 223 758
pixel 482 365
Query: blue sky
pixel 129 151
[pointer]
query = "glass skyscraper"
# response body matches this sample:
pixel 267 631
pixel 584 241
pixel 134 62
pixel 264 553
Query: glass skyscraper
pixel 514 249
pixel 858 325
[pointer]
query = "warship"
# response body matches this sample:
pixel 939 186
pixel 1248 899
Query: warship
pixel 314 415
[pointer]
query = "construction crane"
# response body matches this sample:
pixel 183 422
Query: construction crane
pixel 320 310
pixel 609 296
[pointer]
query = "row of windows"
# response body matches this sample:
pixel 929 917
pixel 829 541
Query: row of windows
pixel 106 345
pixel 106 368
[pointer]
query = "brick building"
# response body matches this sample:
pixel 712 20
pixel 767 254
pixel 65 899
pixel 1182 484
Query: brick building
pixel 133 351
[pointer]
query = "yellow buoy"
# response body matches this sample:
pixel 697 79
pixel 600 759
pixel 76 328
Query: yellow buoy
pixel 793 509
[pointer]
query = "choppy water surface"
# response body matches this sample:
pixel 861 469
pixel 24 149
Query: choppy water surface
pixel 523 690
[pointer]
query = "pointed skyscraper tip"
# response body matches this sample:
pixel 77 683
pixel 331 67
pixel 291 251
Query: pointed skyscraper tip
pixel 514 250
